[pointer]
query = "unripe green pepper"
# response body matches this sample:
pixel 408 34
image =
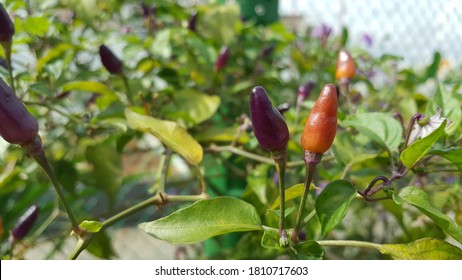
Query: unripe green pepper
pixel 110 61
pixel 321 125
pixel 17 126
pixel 269 126
pixel 6 25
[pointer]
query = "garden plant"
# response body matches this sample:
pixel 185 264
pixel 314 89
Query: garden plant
pixel 204 129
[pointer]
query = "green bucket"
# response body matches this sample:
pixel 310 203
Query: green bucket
pixel 263 11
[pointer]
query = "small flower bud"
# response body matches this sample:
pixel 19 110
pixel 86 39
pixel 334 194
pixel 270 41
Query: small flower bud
pixel 110 61
pixel 6 25
pixel 269 126
pixel 17 126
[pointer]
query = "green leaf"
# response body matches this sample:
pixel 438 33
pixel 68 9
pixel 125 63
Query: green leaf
pixel 170 133
pixel 432 69
pixel 101 247
pixel 333 202
pixel 450 107
pixel 221 134
pixel 453 155
pixel 107 95
pixel 290 193
pixel 107 168
pixel 205 219
pixel 197 106
pixel 380 127
pixel 422 249
pixel 308 250
pixel 420 199
pixel 414 152
pixel 161 45
pixel 217 23
pixel 270 240
pixel 37 26
pixel 91 226
pixel 52 54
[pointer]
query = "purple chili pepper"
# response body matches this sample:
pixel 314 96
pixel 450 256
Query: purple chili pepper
pixel 25 223
pixel 222 59
pixel 17 125
pixel 269 126
pixel 6 25
pixel 113 64
pixel 192 22
pixel 304 91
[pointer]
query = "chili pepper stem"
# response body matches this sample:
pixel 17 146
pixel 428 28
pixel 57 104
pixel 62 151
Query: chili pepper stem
pixel 7 48
pixel 127 87
pixel 344 87
pixel 311 160
pixel 35 149
pixel 280 159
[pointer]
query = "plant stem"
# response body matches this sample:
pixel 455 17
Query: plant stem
pixel 35 149
pixel 163 174
pixel 7 47
pixel 345 91
pixel 311 160
pixel 280 159
pixel 158 199
pixel 237 151
pixel 127 87
pixel 352 243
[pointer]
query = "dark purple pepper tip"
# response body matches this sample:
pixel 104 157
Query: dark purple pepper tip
pixel 222 59
pixel 110 61
pixel 25 223
pixel 6 25
pixel 267 51
pixel 269 127
pixel 17 125
pixel 192 22
pixel 304 91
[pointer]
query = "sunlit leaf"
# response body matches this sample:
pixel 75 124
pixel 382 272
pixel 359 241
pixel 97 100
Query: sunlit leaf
pixel 333 202
pixel 422 249
pixel 414 152
pixel 205 219
pixel 91 226
pixel 380 127
pixel 170 133
pixel 420 199
pixel 197 106
pixel 290 193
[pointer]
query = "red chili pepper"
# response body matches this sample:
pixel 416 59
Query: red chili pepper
pixel 17 126
pixel 321 124
pixel 345 66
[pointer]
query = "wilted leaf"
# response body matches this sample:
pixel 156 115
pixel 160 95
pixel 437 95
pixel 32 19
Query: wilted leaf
pixel 170 133
pixel 205 219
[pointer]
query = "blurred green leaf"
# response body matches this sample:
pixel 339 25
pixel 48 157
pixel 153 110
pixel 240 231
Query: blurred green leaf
pixel 449 105
pixel 308 250
pixel 52 54
pixel 453 155
pixel 420 199
pixel 67 174
pixel 91 226
pixel 199 107
pixel 204 219
pixel 107 168
pixel 432 69
pixel 380 127
pixel 414 152
pixel 217 23
pixel 220 134
pixel 170 133
pixel 36 25
pixel 422 249
pixel 333 203
pixel 161 45
pixel 101 247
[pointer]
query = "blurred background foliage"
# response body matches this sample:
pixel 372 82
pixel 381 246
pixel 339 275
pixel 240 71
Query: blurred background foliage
pixel 105 167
